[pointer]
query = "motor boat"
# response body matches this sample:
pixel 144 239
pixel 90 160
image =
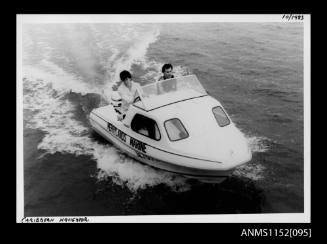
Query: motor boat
pixel 176 126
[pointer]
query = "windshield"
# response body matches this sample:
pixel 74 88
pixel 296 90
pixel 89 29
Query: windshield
pixel 170 90
pixel 183 83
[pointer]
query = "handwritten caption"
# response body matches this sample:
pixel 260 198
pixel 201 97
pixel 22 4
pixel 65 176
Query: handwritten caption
pixel 290 17
pixel 55 220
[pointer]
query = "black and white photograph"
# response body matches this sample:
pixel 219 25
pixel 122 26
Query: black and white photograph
pixel 163 118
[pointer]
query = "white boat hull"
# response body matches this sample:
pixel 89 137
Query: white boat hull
pixel 156 157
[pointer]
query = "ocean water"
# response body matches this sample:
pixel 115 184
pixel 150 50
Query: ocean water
pixel 254 69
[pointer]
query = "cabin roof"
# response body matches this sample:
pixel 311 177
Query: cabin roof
pixel 185 110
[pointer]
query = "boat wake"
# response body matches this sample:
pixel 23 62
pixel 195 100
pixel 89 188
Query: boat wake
pixel 48 105
pixel 55 115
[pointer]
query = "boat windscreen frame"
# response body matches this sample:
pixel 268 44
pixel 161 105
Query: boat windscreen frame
pixel 138 94
pixel 138 97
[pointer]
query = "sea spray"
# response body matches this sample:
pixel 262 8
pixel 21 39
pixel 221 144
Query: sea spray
pixel 46 84
pixel 136 53
pixel 54 115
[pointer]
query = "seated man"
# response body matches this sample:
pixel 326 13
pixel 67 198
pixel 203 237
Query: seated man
pixel 126 88
pixel 167 70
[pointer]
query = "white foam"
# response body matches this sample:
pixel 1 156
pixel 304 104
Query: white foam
pixel 48 83
pixel 45 87
pixel 123 59
pixel 64 134
pixel 136 53
pixel 60 80
pixel 257 143
pixel 55 116
pixel 252 171
pixel 128 172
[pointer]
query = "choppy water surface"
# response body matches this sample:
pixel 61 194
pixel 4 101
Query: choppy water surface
pixel 254 69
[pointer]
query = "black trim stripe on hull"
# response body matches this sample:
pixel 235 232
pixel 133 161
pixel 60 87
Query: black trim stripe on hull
pixel 159 148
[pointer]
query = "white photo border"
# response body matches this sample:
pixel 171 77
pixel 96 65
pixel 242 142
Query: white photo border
pixel 172 18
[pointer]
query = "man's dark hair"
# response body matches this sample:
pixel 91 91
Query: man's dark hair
pixel 166 66
pixel 124 75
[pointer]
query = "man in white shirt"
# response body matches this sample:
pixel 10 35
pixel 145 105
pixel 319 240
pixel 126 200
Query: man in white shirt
pixel 126 88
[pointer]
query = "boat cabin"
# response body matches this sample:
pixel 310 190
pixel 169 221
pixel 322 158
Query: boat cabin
pixel 175 125
pixel 168 111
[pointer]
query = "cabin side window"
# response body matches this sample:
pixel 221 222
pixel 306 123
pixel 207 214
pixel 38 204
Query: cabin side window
pixel 175 129
pixel 220 116
pixel 145 126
